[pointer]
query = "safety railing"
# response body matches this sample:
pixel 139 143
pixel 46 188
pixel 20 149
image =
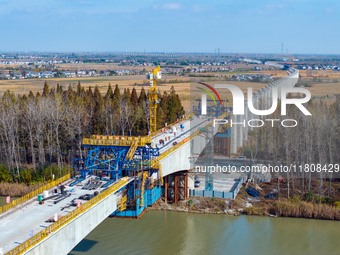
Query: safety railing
pixel 34 193
pixel 109 140
pixel 116 140
pixel 154 162
pixel 23 247
pixel 159 131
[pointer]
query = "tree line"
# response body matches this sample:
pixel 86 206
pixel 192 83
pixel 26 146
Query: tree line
pixel 315 140
pixel 40 133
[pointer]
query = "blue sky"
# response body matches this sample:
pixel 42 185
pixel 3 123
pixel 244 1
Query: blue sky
pixel 243 26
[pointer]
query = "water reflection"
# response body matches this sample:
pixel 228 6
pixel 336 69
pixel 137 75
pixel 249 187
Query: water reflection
pixel 173 233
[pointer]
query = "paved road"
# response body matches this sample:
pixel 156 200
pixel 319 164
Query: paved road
pixel 190 126
pixel 18 226
pixel 221 181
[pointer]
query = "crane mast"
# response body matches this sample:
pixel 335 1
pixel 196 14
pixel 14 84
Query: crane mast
pixel 153 97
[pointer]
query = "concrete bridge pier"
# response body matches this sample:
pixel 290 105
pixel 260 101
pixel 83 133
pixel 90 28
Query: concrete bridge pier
pixel 176 187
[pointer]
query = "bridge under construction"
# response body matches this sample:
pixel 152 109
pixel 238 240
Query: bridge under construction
pixel 119 176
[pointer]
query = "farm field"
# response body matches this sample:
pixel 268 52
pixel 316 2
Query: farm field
pixel 180 83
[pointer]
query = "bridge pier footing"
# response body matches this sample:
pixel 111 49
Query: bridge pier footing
pixel 176 187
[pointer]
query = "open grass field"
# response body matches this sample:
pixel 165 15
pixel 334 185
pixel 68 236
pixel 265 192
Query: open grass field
pixel 98 67
pixel 36 85
pixel 320 74
pixel 325 89
pixel 84 66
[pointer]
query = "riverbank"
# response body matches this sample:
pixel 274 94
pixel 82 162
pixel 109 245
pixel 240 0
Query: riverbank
pixel 243 204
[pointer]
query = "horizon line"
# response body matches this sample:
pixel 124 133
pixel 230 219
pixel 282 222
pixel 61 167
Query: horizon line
pixel 162 52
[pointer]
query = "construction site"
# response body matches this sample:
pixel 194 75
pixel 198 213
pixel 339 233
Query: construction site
pixel 129 173
pixel 122 176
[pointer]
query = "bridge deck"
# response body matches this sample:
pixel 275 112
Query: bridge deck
pixel 190 126
pixel 20 224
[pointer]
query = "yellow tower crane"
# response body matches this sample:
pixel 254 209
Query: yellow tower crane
pixel 153 97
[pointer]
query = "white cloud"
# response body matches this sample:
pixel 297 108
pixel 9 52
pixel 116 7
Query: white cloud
pixel 172 6
pixel 197 8
pixel 329 10
pixel 269 8
pixel 167 6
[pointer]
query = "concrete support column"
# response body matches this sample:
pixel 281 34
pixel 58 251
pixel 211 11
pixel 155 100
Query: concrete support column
pixel 176 189
pixel 240 129
pixel 233 136
pixel 246 117
pixel 166 185
pixel 186 188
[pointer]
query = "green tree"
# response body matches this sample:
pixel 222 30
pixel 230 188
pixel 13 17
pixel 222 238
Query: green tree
pixel 109 92
pixel 46 90
pixel 134 98
pixel 142 96
pixel 98 125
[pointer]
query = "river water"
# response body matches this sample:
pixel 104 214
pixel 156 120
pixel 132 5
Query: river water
pixel 159 232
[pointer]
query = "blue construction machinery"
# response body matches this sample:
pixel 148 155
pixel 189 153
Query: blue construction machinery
pixel 120 156
pixel 117 157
